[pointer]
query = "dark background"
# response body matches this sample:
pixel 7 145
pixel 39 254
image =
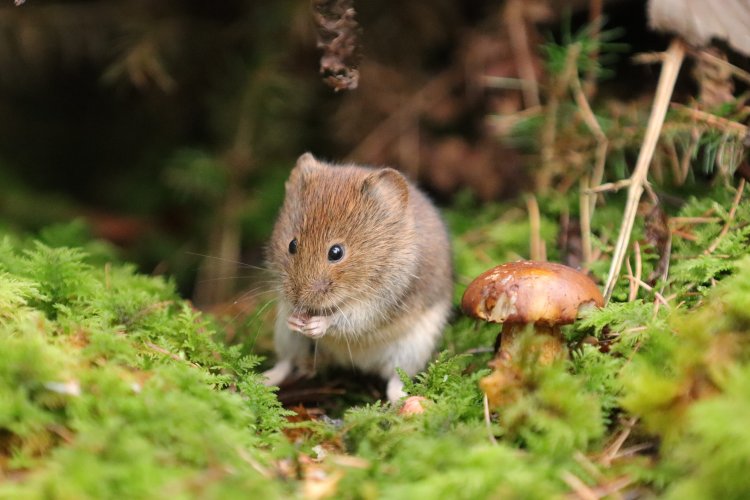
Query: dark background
pixel 165 126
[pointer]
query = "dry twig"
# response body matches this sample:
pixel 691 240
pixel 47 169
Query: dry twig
pixel 487 421
pixel 581 489
pixel 537 248
pixel 732 212
pixel 671 67
pixel 519 40
pixel 611 451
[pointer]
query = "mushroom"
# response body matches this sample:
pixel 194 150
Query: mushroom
pixel 543 294
pixel 413 405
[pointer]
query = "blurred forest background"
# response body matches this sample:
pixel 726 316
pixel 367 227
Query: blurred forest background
pixel 167 128
pixel 160 132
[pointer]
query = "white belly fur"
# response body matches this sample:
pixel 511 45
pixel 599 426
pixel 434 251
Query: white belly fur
pixel 407 343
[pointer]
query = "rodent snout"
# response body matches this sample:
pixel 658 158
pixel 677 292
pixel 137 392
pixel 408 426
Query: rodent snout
pixel 321 285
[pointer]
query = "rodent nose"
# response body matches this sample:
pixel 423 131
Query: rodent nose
pixel 321 285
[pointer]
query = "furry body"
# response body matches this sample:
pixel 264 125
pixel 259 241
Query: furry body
pixel 384 304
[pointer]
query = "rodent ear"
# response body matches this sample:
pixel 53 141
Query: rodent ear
pixel 303 169
pixel 388 185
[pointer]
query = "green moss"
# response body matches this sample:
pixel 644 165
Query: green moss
pixel 111 386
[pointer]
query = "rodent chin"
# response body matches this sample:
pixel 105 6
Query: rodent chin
pixel 306 310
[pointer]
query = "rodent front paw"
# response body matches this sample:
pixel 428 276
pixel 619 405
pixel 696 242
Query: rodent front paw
pixel 316 327
pixel 297 323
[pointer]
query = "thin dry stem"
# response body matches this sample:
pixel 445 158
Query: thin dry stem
pixel 519 42
pixel 732 212
pixel 610 186
pixel 260 469
pixel 391 127
pixel 633 287
pixel 537 249
pixel 718 122
pixel 681 221
pixel 588 466
pixel 585 219
pixel 487 421
pixel 611 451
pixel 612 488
pixel 588 201
pixel 595 20
pixel 593 124
pixel 549 131
pixel 671 67
pixel 738 73
pixel 638 263
pixel 581 489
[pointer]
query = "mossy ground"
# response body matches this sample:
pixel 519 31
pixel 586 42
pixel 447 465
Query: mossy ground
pixel 113 386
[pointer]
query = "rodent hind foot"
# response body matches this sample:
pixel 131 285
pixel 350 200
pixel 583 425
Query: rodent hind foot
pixel 395 389
pixel 286 371
pixel 280 371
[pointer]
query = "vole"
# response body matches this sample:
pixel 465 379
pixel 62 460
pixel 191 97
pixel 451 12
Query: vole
pixel 364 275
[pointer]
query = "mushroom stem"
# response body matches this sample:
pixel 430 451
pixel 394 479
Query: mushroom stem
pixel 550 342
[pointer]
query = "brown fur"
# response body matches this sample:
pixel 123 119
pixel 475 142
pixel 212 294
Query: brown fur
pixel 396 262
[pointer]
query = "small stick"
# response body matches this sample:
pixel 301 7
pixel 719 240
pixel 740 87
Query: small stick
pixel 588 466
pixel 595 20
pixel 519 43
pixel 613 488
pixel 549 129
pixel 610 186
pixel 633 450
pixel 536 249
pixel 585 209
pixel 579 487
pixel 593 124
pixel 684 235
pixel 487 420
pixel 638 264
pixel 674 162
pixel 612 449
pixel 501 82
pixel 740 74
pixel 602 144
pixel 671 67
pixel 719 122
pixel 732 213
pixel 244 455
pixel 685 164
pixel 680 221
pixel 633 292
pixel 388 130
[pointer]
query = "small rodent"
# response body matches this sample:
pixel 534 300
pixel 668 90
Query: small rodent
pixel 363 263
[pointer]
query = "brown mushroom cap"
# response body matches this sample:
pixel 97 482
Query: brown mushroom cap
pixel 542 293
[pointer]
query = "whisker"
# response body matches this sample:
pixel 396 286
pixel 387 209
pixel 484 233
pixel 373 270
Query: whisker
pixel 230 261
pixel 219 278
pixel 260 323
pixel 349 348
pixel 251 293
pixel 315 356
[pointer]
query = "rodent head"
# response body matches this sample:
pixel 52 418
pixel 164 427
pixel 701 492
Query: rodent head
pixel 344 237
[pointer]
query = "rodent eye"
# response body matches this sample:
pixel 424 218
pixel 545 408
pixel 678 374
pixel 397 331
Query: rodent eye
pixel 293 246
pixel 335 253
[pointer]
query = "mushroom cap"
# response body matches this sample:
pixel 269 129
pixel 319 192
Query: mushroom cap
pixel 698 21
pixel 542 293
